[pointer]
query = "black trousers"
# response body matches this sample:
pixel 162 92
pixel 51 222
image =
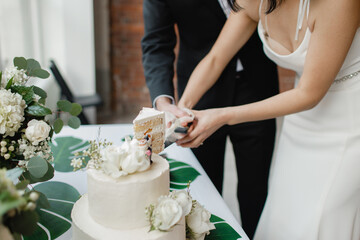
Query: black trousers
pixel 253 145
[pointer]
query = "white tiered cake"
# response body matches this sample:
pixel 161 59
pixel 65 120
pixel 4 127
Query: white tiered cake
pixel 114 208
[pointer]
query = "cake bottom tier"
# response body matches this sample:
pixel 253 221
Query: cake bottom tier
pixel 84 228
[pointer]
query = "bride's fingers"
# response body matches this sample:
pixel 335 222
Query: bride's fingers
pixel 194 143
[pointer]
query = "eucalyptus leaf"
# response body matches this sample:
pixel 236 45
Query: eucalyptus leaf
pixel 37 110
pixel 74 122
pixel 22 185
pixel 32 65
pixel 40 92
pixel 41 73
pixel 37 167
pixel 14 174
pixel 75 109
pixel 58 125
pixel 0 77
pixel 42 101
pixel 20 63
pixel 63 149
pixel 64 105
pixel 48 175
pixel 57 219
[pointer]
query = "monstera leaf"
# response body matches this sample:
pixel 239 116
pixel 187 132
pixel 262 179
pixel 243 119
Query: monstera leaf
pixel 55 220
pixel 63 149
pixel 181 174
pixel 223 230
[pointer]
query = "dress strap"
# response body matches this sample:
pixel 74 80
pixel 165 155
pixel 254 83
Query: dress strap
pixel 304 5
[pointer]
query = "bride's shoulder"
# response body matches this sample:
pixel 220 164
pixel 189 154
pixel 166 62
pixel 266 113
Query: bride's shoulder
pixel 251 7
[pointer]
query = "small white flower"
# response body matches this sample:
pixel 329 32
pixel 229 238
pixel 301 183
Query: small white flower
pixel 199 222
pixel 7 156
pixel 11 148
pixel 11 112
pixel 3 149
pixel 3 143
pixel 166 214
pixel 19 76
pixel 184 199
pixel 76 163
pixel 30 206
pixel 37 131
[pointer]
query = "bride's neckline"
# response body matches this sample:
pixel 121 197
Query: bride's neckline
pixel 265 40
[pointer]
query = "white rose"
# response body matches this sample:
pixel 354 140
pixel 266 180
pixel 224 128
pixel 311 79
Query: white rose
pixel 166 213
pixel 37 131
pixel 133 157
pixel 199 222
pixel 111 164
pixel 184 199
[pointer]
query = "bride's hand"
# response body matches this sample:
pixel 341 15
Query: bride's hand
pixel 206 122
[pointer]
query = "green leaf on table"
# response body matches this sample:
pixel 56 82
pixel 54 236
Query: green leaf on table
pixel 20 63
pixel 48 175
pixel 37 167
pixel 57 219
pixel 41 73
pixel 64 105
pixel 32 65
pixel 63 149
pixel 58 125
pixel 40 92
pixel 181 174
pixel 37 110
pixel 74 122
pixel 75 109
pixel 27 93
pixel 42 202
pixel 14 174
pixel 223 230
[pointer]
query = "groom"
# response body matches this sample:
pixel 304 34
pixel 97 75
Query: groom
pixel 249 77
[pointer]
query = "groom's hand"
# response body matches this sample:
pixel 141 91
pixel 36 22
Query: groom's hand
pixel 165 104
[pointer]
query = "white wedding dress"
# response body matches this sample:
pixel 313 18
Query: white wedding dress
pixel 314 187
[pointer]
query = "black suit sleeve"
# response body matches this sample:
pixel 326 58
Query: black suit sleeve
pixel 157 46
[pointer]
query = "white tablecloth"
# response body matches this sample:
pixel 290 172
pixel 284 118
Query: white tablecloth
pixel 202 189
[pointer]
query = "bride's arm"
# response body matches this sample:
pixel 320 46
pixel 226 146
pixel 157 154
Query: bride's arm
pixel 334 28
pixel 235 33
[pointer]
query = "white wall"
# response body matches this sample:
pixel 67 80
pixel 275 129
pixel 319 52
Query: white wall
pixel 62 30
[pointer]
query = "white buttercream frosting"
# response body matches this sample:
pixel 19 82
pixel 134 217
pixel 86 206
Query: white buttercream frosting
pixel 120 203
pixel 126 159
pixel 85 228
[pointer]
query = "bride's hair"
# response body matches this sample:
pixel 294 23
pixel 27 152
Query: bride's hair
pixel 273 4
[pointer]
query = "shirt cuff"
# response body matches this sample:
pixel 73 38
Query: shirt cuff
pixel 163 95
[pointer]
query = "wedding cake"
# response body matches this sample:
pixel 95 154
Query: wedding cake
pixel 122 183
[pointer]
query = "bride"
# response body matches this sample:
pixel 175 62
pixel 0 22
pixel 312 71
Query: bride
pixel 314 190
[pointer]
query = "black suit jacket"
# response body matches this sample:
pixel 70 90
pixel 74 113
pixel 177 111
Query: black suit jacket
pixel 199 23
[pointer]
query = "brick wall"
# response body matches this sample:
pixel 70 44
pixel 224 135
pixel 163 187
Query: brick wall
pixel 129 91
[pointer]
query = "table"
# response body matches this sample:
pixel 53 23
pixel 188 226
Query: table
pixel 202 189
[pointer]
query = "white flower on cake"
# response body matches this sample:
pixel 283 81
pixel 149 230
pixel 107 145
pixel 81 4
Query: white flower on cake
pixel 37 131
pixel 11 112
pixel 184 199
pixel 130 157
pixel 198 222
pixel 166 214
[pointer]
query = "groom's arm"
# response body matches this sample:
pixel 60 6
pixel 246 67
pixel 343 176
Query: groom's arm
pixel 158 45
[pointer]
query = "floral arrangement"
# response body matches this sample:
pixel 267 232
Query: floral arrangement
pixel 170 209
pixel 115 161
pixel 25 134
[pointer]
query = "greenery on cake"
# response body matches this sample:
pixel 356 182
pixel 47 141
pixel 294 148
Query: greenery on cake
pixel 170 209
pixel 25 136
